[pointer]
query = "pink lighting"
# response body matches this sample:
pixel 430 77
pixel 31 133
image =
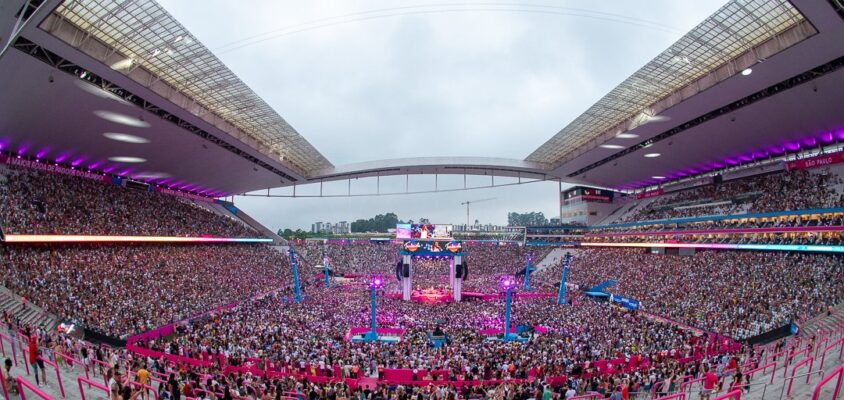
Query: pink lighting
pixel 124 239
pixel 506 282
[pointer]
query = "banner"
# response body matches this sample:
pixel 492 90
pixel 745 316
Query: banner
pixel 184 195
pixel 53 169
pixel 815 162
pixel 626 302
pixel 652 193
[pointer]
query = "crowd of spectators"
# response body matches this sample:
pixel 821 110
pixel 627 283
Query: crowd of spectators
pixel 124 289
pixel 736 293
pixel 34 202
pixel 790 190
pixel 272 332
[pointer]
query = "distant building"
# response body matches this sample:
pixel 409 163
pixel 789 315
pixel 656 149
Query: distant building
pixel 340 228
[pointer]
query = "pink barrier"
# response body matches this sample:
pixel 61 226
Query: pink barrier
pixel 11 343
pixel 726 231
pixel 72 361
pixel 763 369
pixel 147 387
pixel 587 396
pixel 58 374
pixel 386 331
pixel 5 389
pixel 688 384
pixel 839 342
pixel 490 332
pixel 681 396
pixel 804 351
pixel 811 362
pixel 734 395
pixel 90 384
pixel 838 372
pixel 22 383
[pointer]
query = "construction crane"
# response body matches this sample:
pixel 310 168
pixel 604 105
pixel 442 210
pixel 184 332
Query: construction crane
pixel 467 203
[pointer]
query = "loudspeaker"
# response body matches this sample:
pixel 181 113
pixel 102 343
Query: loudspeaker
pixel 398 271
pixel 458 271
pixel 405 270
pixel 465 270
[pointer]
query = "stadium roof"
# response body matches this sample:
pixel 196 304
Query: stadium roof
pixel 207 130
pixel 733 31
pixel 146 35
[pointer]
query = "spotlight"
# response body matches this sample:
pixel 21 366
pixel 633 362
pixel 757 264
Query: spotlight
pixel 747 71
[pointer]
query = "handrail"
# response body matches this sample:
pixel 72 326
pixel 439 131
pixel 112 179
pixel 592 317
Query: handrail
pixel 591 395
pixel 782 392
pixel 58 374
pixel 147 387
pixel 90 383
pixel 73 361
pixel 22 383
pixel 680 396
pixel 836 372
pixel 811 362
pixel 690 383
pixel 791 356
pixel 763 368
pixel 734 395
pixel 3 384
pixel 832 346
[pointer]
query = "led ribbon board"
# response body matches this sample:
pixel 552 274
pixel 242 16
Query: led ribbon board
pixel 762 247
pixel 125 239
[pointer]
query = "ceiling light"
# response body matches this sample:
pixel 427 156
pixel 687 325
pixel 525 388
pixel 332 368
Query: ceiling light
pixel 121 119
pixel 125 137
pixel 652 155
pixel 611 146
pixel 658 177
pixel 123 64
pixel 152 175
pixel 127 159
pixel 627 136
pixel 747 71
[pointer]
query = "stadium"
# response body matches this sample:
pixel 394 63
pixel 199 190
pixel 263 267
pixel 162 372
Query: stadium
pixel 695 251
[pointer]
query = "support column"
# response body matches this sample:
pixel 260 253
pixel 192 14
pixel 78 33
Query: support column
pixel 407 282
pixel 561 295
pixel 451 264
pixel 456 283
pixel 294 263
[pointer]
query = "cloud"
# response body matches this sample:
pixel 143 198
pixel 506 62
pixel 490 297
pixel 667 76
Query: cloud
pixel 468 80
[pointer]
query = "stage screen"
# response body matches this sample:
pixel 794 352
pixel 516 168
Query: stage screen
pixel 424 231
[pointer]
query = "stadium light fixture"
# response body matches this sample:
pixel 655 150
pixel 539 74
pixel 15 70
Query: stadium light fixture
pixel 127 159
pixel 121 119
pixel 125 138
pixel 658 177
pixel 611 146
pixel 652 155
pixel 747 71
pixel 627 136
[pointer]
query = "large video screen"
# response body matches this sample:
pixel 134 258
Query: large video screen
pixel 424 231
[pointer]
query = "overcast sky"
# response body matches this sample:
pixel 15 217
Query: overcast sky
pixel 368 80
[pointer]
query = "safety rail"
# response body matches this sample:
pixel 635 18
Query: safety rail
pixel 662 383
pixel 734 395
pixel 73 362
pixel 91 384
pixel 840 343
pixel 5 389
pixel 803 351
pixel 782 392
pixel 763 369
pixel 839 372
pixel 58 373
pixel 22 383
pixel 811 362
pixel 688 384
pixel 592 395
pixel 680 396
pixel 145 387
